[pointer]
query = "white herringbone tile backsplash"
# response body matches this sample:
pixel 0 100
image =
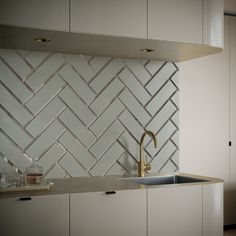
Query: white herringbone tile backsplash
pixel 84 115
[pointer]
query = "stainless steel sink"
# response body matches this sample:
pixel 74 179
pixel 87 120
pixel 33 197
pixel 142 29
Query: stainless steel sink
pixel 160 180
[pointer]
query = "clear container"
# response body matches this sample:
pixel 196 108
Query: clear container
pixel 3 177
pixel 34 173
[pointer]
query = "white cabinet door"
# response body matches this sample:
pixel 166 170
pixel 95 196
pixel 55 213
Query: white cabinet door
pixel 213 209
pixel 213 23
pixel 38 216
pixel 175 211
pixel 49 14
pixel 172 20
pixel 126 18
pixel 101 214
pixel 232 195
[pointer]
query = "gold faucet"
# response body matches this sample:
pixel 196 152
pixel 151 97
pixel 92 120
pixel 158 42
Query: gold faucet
pixel 142 166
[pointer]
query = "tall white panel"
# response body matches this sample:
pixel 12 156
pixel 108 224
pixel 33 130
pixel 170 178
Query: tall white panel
pixel 204 114
pixel 232 194
pixel 204 117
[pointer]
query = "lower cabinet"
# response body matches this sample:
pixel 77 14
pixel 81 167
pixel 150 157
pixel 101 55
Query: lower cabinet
pixel 37 216
pixel 195 210
pixel 113 213
pixel 175 211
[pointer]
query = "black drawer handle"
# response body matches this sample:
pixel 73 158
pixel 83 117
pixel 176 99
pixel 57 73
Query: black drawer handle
pixel 110 192
pixel 25 198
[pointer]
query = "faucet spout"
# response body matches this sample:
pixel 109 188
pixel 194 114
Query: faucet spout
pixel 144 167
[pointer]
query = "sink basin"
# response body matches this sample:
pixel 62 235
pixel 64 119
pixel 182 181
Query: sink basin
pixel 159 180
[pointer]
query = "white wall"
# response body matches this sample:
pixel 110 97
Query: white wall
pixel 204 114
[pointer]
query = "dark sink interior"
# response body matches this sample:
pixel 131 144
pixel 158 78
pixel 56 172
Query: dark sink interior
pixel 172 179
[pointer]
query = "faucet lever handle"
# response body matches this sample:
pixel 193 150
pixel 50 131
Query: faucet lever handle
pixel 147 167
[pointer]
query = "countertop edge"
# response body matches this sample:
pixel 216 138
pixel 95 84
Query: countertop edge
pixel 103 184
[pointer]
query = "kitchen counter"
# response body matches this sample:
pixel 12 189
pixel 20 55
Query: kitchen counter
pixel 99 184
pixel 93 205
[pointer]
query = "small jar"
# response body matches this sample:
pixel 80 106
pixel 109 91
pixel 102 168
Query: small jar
pixel 34 173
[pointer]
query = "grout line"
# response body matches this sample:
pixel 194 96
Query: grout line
pixel 103 135
pixel 98 72
pixel 175 65
pixel 154 75
pixel 38 66
pixel 68 151
pixel 26 62
pixel 115 161
pixel 128 68
pixel 162 86
pixel 63 169
pixel 127 151
pixel 14 143
pixel 20 80
pixel 153 116
pixel 12 69
pixel 132 92
pixel 102 113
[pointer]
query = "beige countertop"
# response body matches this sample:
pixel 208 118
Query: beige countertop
pixel 99 184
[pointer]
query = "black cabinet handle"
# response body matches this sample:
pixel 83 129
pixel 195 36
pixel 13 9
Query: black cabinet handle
pixel 25 199
pixel 110 192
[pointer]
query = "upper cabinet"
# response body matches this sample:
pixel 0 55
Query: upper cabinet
pixel 179 21
pixel 126 18
pixel 187 21
pixel 213 23
pixel 50 14
pixel 169 30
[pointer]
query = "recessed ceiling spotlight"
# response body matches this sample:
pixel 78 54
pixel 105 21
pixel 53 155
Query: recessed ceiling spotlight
pixel 147 50
pixel 42 40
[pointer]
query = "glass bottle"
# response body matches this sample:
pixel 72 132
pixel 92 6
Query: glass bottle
pixel 34 173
